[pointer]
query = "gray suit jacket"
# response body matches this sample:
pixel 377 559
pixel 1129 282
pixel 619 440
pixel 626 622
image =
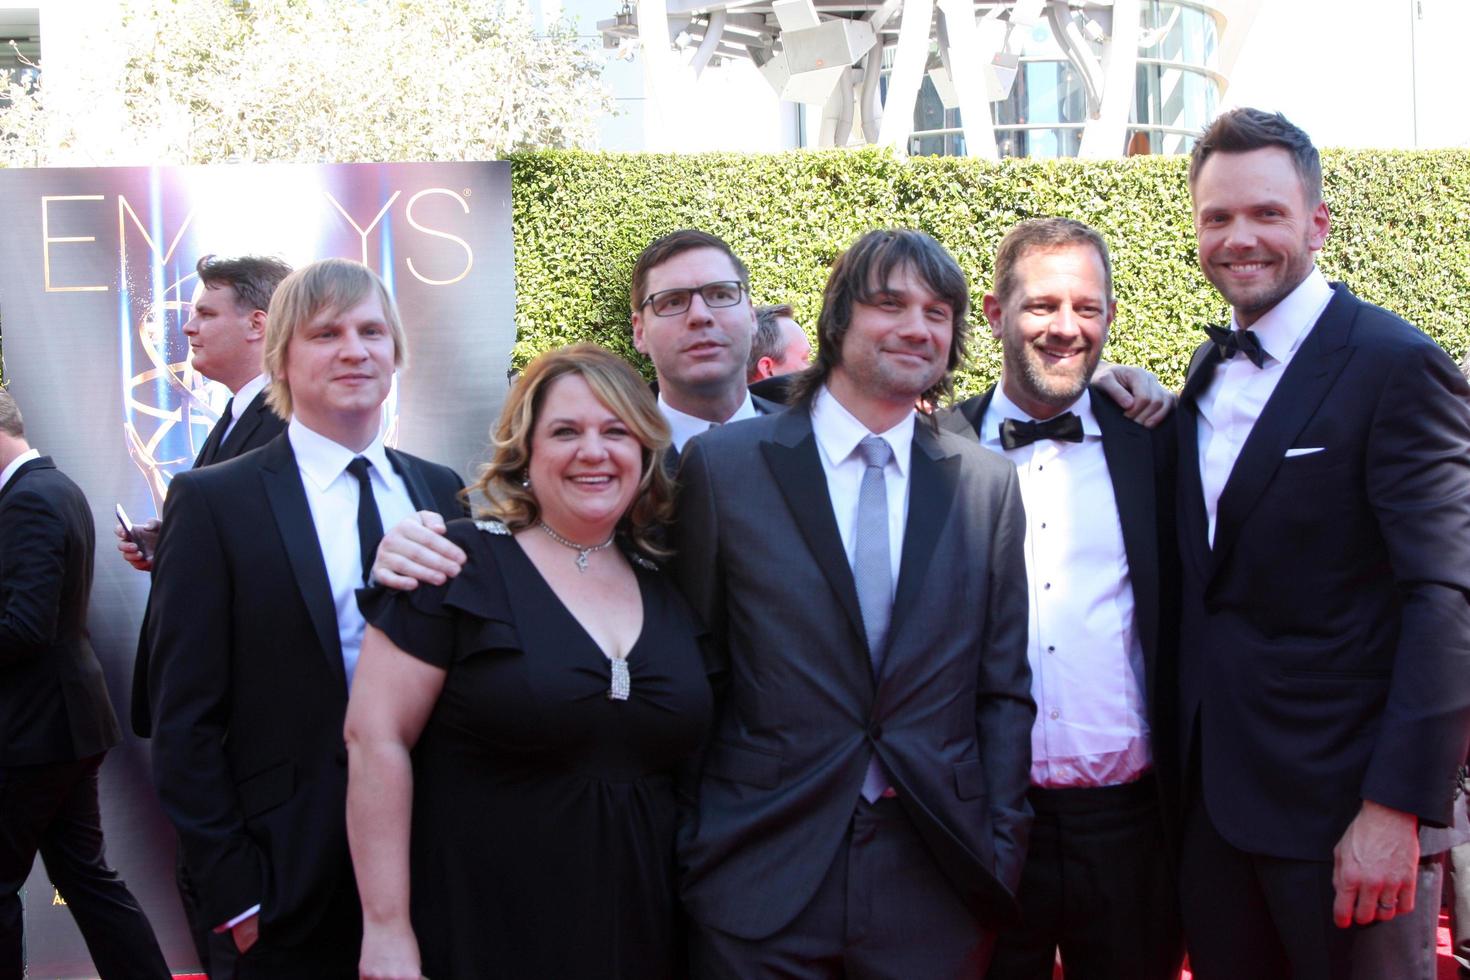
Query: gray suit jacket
pixel 799 713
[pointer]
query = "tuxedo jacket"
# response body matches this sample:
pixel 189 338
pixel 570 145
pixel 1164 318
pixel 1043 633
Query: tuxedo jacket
pixel 248 690
pixel 1325 647
pixel 257 425
pixel 799 710
pixel 1141 466
pixel 53 699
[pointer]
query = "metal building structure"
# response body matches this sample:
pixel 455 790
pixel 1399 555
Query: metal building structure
pixel 1095 78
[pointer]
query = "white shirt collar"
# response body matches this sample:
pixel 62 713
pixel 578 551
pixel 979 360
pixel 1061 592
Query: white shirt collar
pixel 322 460
pixel 684 427
pixel 1002 408
pixel 8 473
pixel 247 393
pixel 1282 328
pixel 838 431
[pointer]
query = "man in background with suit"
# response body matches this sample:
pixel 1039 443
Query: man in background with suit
pixel 256 630
pixel 1324 496
pixel 56 722
pixel 1101 564
pixel 226 334
pixel 861 808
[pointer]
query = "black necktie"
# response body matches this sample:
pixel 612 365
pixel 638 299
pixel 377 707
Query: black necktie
pixel 210 452
pixel 369 524
pixel 1014 433
pixel 1231 342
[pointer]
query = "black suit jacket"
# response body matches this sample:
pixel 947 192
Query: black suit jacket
pixel 760 557
pixel 53 699
pixel 1325 652
pixel 1141 466
pixel 257 425
pixel 249 691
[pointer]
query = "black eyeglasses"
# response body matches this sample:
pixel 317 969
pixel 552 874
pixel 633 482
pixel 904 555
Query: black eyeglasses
pixel 716 295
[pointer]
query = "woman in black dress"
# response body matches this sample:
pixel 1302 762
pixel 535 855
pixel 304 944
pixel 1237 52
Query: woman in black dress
pixel 514 734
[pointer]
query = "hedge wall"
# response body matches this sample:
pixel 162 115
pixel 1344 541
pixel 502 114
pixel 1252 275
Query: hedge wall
pixel 1400 235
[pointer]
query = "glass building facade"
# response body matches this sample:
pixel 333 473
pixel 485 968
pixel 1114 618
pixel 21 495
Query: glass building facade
pixel 1176 91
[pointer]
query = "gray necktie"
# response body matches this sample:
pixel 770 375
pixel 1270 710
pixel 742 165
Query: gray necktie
pixel 872 572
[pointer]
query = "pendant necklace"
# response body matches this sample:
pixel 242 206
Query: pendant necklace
pixel 582 550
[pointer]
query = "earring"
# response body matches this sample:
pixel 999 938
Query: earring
pixel 526 479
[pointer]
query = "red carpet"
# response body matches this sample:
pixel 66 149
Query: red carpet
pixel 1446 961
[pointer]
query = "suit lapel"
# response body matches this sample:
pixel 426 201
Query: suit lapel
pixel 281 480
pixel 418 488
pixel 792 457
pixel 966 418
pixel 933 482
pixel 1128 449
pixel 1194 531
pixel 1306 381
pixel 245 426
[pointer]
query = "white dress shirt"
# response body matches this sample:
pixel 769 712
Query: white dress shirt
pixel 331 493
pixel 1086 658
pixel 8 473
pixel 684 427
pixel 1234 398
pixel 838 433
pixel 241 400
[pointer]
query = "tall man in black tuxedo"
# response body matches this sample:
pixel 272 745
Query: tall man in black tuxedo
pixel 1101 563
pixel 256 630
pixel 1324 500
pixel 861 809
pixel 56 722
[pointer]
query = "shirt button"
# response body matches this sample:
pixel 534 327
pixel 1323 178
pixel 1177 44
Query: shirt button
pixel 1047 586
pixel 1043 525
pixel 1051 649
pixel 1055 714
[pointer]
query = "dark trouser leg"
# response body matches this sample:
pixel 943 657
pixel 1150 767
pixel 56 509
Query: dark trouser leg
pixel 884 911
pixel 213 958
pixel 1029 951
pixel 1407 946
pixel 29 795
pixel 1227 925
pixel 904 918
pixel 1246 915
pixel 1459 874
pixel 117 933
pixel 1097 884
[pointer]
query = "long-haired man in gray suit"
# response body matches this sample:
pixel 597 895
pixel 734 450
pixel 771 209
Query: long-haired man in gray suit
pixel 861 809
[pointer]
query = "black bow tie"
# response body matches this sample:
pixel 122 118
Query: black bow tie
pixel 1066 427
pixel 1231 342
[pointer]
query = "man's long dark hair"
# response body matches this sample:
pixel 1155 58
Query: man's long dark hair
pixel 859 274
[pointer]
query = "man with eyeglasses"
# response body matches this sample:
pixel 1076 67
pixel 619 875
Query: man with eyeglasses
pixel 692 317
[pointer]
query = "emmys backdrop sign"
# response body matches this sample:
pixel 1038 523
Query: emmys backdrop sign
pixel 96 278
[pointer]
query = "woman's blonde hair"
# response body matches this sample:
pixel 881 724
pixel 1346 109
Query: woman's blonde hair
pixel 502 481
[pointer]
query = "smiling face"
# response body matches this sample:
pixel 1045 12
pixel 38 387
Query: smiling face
pixel 1257 228
pixel 224 341
pixel 896 347
pixel 339 367
pixel 585 462
pixel 701 352
pixel 1052 325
